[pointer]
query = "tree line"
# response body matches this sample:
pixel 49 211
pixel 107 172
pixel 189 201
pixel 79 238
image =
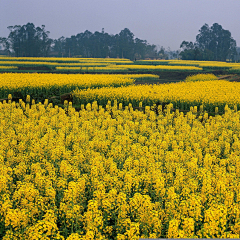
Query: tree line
pixel 31 41
pixel 212 43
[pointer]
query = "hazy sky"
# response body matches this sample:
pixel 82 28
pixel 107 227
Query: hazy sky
pixel 162 22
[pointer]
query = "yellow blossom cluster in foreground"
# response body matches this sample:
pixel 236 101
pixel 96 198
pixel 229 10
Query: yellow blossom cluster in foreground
pixel 113 173
pixel 182 95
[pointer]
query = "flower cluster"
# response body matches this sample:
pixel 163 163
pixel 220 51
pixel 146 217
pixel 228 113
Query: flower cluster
pixel 108 172
pixel 209 94
pixel 116 64
pixel 49 84
pixel 201 77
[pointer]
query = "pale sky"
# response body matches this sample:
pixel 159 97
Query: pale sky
pixel 162 22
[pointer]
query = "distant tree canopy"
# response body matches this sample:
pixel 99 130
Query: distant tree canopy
pixel 27 41
pixel 31 41
pixel 101 45
pixel 212 43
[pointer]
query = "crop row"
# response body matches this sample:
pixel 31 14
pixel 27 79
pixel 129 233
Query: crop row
pixel 205 65
pixel 126 68
pixel 45 85
pixel 183 95
pixel 115 65
pixel 65 60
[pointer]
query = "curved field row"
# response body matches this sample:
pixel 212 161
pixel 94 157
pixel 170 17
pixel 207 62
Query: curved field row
pixel 182 95
pixel 46 85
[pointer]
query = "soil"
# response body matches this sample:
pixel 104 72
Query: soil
pixel 233 78
pixel 34 68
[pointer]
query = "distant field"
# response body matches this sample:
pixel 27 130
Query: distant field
pixel 108 65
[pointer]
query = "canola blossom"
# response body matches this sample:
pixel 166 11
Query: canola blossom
pixel 49 84
pixel 204 65
pixel 67 60
pixel 61 65
pixel 8 67
pixel 158 67
pixel 102 65
pixel 109 173
pixel 28 64
pixel 98 69
pixel 201 77
pixel 13 63
pixel 126 68
pixel 126 163
pixel 182 95
pixel 174 62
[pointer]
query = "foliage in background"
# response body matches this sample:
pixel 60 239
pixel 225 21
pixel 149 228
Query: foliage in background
pixel 212 44
pixel 30 41
pixel 27 41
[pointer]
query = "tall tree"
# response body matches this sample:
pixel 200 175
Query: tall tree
pixel 139 48
pixel 28 40
pixel 190 51
pixel 212 43
pixel 59 46
pixel 126 44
